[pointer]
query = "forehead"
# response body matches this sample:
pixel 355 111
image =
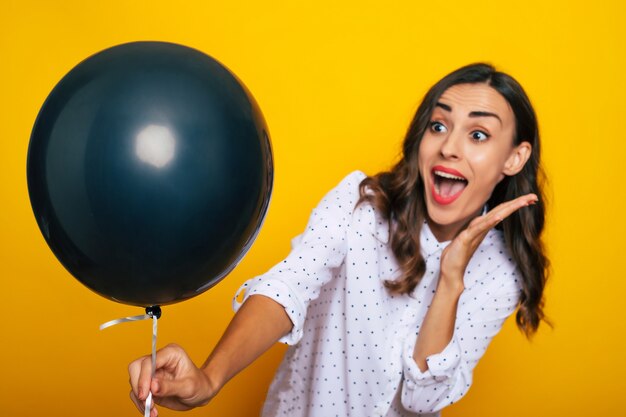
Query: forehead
pixel 465 98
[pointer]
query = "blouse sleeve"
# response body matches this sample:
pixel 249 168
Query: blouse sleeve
pixel 449 373
pixel 315 253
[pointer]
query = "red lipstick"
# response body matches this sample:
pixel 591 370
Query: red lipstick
pixel 447 171
pixel 447 184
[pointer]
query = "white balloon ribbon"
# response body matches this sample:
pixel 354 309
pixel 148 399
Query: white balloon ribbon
pixel 152 313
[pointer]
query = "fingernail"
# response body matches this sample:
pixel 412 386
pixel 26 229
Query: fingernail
pixel 140 393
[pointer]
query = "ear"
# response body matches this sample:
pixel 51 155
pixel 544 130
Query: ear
pixel 517 159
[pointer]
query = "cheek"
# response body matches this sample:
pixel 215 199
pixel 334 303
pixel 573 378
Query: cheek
pixel 483 155
pixel 421 155
pixel 426 149
pixel 487 166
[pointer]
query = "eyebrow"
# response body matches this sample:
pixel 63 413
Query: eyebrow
pixel 472 113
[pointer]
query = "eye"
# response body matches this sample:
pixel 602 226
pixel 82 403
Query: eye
pixel 479 136
pixel 438 127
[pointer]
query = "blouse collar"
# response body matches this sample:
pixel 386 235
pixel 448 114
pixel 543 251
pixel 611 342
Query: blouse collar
pixel 429 242
pixel 380 229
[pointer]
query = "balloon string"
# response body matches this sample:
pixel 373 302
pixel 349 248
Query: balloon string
pixel 146 412
pixel 154 318
pixel 125 320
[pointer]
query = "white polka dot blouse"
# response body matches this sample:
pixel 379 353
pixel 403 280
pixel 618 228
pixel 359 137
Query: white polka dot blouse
pixel 351 346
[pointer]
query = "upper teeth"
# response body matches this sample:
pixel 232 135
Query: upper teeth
pixel 450 176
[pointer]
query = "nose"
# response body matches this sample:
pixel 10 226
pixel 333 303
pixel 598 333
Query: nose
pixel 451 146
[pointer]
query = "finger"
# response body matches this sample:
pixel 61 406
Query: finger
pixel 172 388
pixel 134 370
pixel 480 226
pixel 504 210
pixel 153 409
pixel 145 376
pixel 139 404
pixel 170 356
pixel 521 200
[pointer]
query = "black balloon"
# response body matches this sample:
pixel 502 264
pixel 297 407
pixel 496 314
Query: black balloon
pixel 149 172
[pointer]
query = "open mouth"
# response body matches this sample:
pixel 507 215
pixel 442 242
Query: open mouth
pixel 448 184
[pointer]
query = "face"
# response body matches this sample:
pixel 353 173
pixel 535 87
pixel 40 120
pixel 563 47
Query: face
pixel 465 152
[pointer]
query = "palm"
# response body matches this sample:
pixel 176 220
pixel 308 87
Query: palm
pixel 457 254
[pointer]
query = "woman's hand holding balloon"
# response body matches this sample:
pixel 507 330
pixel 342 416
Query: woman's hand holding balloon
pixel 178 383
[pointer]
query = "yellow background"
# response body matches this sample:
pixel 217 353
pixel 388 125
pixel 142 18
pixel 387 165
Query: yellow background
pixel 337 82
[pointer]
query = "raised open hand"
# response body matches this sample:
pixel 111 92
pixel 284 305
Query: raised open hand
pixel 456 256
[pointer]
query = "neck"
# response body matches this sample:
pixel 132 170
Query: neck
pixel 443 233
pixel 447 232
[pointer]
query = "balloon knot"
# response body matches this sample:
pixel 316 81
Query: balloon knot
pixel 154 311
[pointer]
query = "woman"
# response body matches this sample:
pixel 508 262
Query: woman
pixel 399 282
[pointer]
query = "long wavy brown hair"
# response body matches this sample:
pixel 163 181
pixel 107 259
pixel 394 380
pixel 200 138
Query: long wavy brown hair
pixel 399 195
